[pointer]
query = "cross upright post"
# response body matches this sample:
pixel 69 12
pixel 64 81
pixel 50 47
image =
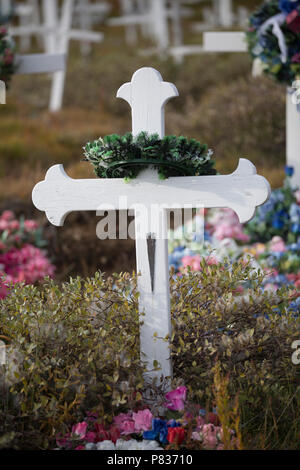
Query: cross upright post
pixel 150 198
pixel 147 95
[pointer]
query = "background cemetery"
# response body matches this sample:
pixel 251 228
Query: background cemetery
pixel 47 119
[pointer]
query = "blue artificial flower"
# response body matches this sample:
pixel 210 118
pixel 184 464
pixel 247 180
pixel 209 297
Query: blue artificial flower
pixel 173 424
pixel 159 431
pixel 286 6
pixel 277 223
pixel 289 170
pixel 296 228
pixel 294 247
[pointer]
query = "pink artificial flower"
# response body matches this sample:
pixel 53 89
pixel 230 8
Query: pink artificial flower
pixel 127 427
pixel 277 245
pixel 90 437
pixel 225 224
pixel 4 225
pixel 271 287
pixel 192 261
pixel 30 225
pixel 7 215
pixel 14 225
pixel 124 423
pixel 196 436
pixel 27 264
pixel 80 429
pixel 210 439
pixel 142 420
pixel 211 260
pixel 297 193
pixel 176 399
pixel 296 58
pixel 79 448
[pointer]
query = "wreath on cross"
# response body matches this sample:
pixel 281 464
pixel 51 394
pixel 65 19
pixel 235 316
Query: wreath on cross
pixel 116 156
pixel 7 56
pixel 273 39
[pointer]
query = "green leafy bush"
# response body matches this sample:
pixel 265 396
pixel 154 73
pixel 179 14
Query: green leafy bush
pixel 75 347
pixel 69 348
pixel 251 336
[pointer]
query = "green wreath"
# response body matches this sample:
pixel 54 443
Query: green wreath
pixel 7 56
pixel 126 156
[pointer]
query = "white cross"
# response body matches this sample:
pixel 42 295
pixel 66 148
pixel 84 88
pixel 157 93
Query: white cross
pixel 236 42
pixel 153 16
pixel 2 92
pixel 242 191
pixel 57 32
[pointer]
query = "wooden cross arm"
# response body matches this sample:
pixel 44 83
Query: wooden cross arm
pixel 224 41
pixel 40 63
pixel 242 191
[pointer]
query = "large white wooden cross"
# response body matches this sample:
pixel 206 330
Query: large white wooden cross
pixel 242 191
pixel 236 42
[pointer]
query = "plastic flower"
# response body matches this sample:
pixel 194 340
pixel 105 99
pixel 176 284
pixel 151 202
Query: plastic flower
pixel 80 429
pixel 277 244
pixel 176 398
pixel 297 193
pixel 289 170
pixel 296 58
pixel 131 444
pixel 142 420
pixel 176 435
pixel 125 423
pixel 286 6
pixel 159 431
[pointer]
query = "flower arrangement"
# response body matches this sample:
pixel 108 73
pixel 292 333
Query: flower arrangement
pixel 141 430
pixel 279 216
pixel 125 156
pixel 273 39
pixel 271 239
pixel 7 55
pixel 21 257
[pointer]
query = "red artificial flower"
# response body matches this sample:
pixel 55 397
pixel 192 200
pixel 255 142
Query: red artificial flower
pixel 176 435
pixel 293 21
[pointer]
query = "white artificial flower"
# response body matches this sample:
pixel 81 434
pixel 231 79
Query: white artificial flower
pixel 132 444
pixel 105 445
pixel 258 67
pixel 90 446
pixel 121 444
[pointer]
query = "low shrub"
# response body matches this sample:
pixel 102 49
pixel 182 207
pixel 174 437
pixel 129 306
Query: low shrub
pixel 75 348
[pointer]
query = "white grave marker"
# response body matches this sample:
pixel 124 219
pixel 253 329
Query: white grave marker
pixel 242 191
pixel 2 92
pixel 236 42
pixel 57 32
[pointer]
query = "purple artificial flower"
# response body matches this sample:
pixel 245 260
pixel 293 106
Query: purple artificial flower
pixel 176 399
